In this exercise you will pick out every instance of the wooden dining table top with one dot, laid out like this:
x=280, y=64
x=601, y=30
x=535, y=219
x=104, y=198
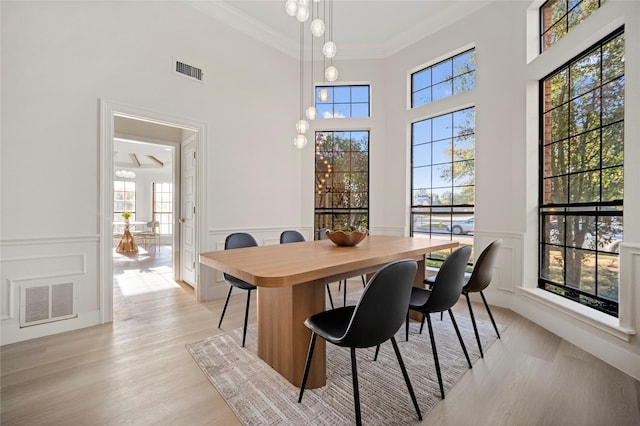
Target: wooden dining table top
x=282, y=265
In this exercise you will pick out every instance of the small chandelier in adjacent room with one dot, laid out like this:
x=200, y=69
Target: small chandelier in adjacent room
x=125, y=174
x=302, y=10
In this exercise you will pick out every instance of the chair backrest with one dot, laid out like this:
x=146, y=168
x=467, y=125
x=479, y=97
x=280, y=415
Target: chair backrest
x=238, y=240
x=483, y=269
x=383, y=306
x=291, y=237
x=154, y=225
x=449, y=281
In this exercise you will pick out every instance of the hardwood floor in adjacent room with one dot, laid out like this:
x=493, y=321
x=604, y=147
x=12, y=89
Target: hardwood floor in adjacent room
x=137, y=371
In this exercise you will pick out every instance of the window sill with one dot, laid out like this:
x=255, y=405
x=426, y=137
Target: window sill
x=582, y=313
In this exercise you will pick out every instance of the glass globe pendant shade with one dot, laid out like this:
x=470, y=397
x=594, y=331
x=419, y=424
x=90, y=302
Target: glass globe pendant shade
x=303, y=13
x=317, y=27
x=331, y=73
x=300, y=141
x=323, y=95
x=311, y=113
x=291, y=7
x=329, y=49
x=302, y=126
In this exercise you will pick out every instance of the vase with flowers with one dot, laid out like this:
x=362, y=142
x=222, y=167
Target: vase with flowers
x=126, y=216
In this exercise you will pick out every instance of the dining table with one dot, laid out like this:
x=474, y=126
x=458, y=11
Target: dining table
x=127, y=243
x=290, y=281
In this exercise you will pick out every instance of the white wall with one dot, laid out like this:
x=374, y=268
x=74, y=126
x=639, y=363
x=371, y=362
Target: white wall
x=58, y=59
x=506, y=101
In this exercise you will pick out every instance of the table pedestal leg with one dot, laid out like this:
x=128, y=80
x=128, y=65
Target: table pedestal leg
x=127, y=244
x=283, y=339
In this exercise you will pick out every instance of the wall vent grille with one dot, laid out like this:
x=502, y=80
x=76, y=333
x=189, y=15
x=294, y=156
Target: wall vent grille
x=189, y=70
x=46, y=303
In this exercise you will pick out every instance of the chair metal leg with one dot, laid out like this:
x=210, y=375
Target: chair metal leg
x=486, y=305
x=435, y=355
x=226, y=302
x=422, y=323
x=344, y=303
x=307, y=365
x=375, y=357
x=406, y=328
x=364, y=281
x=475, y=327
x=330, y=298
x=406, y=376
x=464, y=348
x=356, y=392
x=246, y=317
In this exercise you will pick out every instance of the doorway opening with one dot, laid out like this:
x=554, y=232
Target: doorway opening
x=144, y=172
x=143, y=191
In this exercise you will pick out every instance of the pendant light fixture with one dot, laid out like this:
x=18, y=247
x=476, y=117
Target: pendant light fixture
x=302, y=10
x=302, y=125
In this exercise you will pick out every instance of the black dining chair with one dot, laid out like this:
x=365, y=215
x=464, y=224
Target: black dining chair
x=291, y=236
x=234, y=241
x=374, y=320
x=441, y=297
x=322, y=235
x=477, y=281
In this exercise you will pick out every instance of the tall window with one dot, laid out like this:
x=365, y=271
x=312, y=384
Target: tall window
x=342, y=179
x=343, y=101
x=163, y=206
x=447, y=78
x=558, y=17
x=443, y=177
x=124, y=199
x=581, y=181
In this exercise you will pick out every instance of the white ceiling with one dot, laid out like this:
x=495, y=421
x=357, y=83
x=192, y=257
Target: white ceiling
x=362, y=29
x=142, y=145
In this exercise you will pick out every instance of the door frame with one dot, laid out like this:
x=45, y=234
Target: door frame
x=108, y=110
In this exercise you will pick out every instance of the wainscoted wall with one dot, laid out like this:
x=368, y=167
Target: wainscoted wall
x=47, y=286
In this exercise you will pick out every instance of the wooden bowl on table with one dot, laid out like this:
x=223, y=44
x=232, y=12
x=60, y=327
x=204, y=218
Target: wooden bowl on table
x=346, y=238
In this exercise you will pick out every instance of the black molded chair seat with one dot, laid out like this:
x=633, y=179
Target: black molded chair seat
x=441, y=297
x=234, y=241
x=374, y=320
x=333, y=326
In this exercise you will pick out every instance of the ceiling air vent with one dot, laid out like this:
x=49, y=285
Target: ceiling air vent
x=189, y=70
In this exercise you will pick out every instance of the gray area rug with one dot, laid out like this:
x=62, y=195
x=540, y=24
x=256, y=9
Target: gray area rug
x=258, y=395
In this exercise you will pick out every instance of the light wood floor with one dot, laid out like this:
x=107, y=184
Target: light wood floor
x=136, y=371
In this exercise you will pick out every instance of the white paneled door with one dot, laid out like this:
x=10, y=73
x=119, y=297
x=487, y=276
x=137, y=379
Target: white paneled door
x=188, y=258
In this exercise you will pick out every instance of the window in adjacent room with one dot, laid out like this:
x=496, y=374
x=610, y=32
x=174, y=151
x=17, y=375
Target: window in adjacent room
x=163, y=206
x=342, y=179
x=581, y=176
x=446, y=78
x=124, y=199
x=558, y=17
x=343, y=101
x=443, y=179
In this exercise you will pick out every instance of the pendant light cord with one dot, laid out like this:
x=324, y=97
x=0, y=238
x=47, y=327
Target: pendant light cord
x=301, y=65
